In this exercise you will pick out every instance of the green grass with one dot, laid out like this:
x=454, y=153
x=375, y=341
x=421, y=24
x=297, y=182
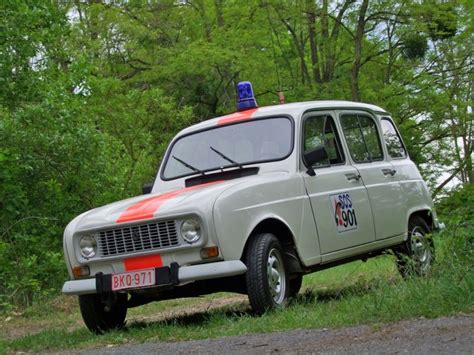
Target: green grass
x=355, y=293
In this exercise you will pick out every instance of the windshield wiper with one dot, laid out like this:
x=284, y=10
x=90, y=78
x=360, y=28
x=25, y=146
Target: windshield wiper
x=226, y=157
x=188, y=165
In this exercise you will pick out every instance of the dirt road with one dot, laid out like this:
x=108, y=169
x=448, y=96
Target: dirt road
x=421, y=336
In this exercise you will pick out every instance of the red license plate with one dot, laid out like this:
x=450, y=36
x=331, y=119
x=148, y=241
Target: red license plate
x=133, y=279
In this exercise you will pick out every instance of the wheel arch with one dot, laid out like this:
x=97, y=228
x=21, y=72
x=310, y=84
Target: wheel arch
x=426, y=214
x=283, y=233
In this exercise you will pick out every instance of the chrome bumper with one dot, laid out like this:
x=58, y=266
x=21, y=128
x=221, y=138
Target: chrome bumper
x=185, y=274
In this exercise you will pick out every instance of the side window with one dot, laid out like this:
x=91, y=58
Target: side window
x=392, y=140
x=362, y=138
x=321, y=131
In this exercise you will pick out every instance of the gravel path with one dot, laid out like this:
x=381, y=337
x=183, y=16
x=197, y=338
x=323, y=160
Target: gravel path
x=449, y=335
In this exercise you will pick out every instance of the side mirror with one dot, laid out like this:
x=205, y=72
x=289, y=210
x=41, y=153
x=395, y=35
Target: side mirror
x=146, y=189
x=314, y=156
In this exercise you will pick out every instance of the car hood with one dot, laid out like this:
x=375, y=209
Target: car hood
x=145, y=207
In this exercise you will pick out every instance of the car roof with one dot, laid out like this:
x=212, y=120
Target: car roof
x=294, y=109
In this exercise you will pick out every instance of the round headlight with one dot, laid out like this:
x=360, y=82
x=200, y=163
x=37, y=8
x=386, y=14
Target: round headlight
x=191, y=231
x=88, y=246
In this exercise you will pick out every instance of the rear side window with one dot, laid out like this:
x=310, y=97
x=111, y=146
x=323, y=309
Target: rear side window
x=392, y=140
x=321, y=131
x=362, y=138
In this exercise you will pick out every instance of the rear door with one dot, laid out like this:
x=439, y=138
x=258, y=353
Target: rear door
x=363, y=139
x=339, y=199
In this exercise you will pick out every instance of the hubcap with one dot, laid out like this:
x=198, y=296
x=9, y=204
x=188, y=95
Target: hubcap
x=421, y=248
x=276, y=276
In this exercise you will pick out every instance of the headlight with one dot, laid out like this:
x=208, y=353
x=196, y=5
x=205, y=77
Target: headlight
x=88, y=246
x=191, y=230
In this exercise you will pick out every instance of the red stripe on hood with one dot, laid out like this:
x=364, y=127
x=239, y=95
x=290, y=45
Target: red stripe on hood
x=146, y=208
x=237, y=116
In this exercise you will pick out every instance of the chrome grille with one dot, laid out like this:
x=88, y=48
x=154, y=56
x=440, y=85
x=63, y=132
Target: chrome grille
x=156, y=235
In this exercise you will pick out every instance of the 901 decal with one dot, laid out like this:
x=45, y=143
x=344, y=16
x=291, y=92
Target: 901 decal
x=344, y=212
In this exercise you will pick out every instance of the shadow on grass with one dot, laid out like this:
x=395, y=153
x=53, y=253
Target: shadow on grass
x=198, y=318
x=242, y=310
x=311, y=295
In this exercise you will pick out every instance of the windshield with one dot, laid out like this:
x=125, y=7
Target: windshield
x=246, y=142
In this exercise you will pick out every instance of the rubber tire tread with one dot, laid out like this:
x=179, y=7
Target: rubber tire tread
x=96, y=319
x=295, y=286
x=405, y=251
x=256, y=277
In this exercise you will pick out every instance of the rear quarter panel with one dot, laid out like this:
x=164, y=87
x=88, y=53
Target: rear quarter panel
x=414, y=188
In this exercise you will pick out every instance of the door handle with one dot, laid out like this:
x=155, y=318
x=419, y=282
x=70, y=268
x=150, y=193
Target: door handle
x=389, y=171
x=353, y=176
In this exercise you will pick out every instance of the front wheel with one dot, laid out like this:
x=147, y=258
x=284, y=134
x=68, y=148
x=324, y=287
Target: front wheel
x=266, y=277
x=100, y=317
x=416, y=255
x=295, y=285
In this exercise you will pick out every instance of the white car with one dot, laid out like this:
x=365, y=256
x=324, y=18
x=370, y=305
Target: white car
x=250, y=202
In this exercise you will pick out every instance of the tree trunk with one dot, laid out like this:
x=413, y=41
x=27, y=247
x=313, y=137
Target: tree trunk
x=325, y=42
x=358, y=51
x=219, y=14
x=331, y=42
x=300, y=50
x=311, y=17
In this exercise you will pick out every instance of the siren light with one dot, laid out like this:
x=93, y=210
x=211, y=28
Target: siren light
x=245, y=97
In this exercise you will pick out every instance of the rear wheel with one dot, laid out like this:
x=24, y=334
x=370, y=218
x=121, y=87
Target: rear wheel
x=266, y=277
x=416, y=254
x=100, y=316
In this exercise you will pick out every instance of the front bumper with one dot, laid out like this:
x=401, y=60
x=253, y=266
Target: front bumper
x=165, y=276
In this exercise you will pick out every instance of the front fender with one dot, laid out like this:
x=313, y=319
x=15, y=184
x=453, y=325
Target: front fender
x=282, y=196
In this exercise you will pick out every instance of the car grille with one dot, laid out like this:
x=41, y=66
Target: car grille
x=132, y=239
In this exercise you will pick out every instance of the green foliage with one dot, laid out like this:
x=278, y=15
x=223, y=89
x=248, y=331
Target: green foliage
x=441, y=20
x=414, y=46
x=458, y=238
x=69, y=141
x=91, y=93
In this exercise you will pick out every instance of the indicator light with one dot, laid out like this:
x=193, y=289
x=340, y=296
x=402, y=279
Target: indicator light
x=81, y=271
x=209, y=252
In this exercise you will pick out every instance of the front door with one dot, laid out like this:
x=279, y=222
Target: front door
x=339, y=199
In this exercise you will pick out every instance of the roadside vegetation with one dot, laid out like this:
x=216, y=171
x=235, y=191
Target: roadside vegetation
x=356, y=293
x=91, y=93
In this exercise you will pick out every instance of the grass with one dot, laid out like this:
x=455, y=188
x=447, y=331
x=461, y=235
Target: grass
x=370, y=293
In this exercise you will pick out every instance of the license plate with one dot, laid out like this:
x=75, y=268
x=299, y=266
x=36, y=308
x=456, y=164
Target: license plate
x=133, y=279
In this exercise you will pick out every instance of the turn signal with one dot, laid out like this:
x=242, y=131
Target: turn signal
x=81, y=271
x=210, y=252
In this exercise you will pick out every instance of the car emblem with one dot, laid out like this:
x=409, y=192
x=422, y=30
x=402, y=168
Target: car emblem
x=136, y=236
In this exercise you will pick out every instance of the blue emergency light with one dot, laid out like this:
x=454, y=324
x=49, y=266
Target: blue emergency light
x=245, y=98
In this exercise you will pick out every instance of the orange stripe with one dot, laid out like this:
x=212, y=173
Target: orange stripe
x=146, y=208
x=237, y=116
x=143, y=262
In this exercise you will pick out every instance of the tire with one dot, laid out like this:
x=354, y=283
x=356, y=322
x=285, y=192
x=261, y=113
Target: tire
x=267, y=277
x=416, y=255
x=295, y=285
x=97, y=319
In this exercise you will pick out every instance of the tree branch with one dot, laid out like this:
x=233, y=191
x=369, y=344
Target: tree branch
x=452, y=176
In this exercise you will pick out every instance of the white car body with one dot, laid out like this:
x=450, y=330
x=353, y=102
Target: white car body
x=281, y=198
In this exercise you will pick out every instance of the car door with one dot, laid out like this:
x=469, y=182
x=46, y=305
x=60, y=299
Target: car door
x=339, y=199
x=363, y=139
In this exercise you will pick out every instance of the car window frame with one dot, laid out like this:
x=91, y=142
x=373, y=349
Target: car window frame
x=389, y=119
x=176, y=139
x=307, y=115
x=377, y=127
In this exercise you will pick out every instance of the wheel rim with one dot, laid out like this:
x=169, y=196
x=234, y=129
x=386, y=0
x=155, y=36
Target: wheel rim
x=421, y=248
x=276, y=276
